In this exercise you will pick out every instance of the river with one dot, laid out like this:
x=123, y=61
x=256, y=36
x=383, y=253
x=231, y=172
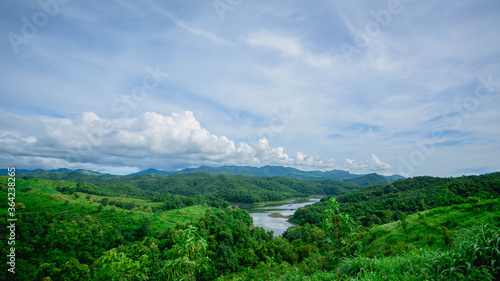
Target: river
x=260, y=215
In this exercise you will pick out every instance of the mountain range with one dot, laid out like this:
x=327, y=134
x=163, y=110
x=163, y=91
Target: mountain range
x=265, y=171
x=270, y=171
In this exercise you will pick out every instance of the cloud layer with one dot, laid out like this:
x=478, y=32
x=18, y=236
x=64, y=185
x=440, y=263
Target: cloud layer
x=329, y=79
x=149, y=140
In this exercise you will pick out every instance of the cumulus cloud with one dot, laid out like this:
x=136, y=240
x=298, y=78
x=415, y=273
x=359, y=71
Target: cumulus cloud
x=148, y=140
x=375, y=165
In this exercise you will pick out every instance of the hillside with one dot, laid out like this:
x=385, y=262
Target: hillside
x=232, y=188
x=370, y=179
x=388, y=202
x=458, y=242
x=280, y=171
x=152, y=171
x=154, y=227
x=270, y=171
x=265, y=171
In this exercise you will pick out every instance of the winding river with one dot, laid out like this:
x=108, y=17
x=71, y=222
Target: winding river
x=260, y=215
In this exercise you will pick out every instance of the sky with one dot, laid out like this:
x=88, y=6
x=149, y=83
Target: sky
x=392, y=87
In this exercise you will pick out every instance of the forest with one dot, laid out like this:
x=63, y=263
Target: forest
x=232, y=188
x=85, y=226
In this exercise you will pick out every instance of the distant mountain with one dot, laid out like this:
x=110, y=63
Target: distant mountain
x=18, y=171
x=270, y=171
x=39, y=171
x=396, y=177
x=265, y=171
x=371, y=179
x=152, y=171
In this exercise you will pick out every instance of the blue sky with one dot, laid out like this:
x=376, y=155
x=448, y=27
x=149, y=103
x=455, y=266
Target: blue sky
x=405, y=87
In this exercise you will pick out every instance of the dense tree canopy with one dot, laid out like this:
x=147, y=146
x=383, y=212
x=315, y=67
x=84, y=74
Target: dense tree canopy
x=109, y=231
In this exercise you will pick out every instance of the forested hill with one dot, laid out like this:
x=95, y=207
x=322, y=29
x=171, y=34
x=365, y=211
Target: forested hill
x=384, y=203
x=232, y=188
x=266, y=171
x=270, y=171
x=280, y=171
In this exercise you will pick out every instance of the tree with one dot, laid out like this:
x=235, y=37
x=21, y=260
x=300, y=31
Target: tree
x=104, y=201
x=188, y=257
x=114, y=265
x=375, y=220
x=387, y=216
x=224, y=259
x=146, y=227
x=74, y=270
x=338, y=228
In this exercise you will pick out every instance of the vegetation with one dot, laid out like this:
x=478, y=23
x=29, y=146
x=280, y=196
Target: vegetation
x=178, y=228
x=202, y=186
x=386, y=203
x=280, y=171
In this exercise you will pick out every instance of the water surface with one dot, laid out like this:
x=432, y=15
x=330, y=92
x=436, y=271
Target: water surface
x=260, y=215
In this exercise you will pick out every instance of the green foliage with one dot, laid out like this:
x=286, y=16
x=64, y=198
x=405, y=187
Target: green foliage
x=213, y=189
x=404, y=221
x=104, y=201
x=115, y=265
x=338, y=228
x=407, y=196
x=475, y=256
x=62, y=237
x=187, y=257
x=433, y=229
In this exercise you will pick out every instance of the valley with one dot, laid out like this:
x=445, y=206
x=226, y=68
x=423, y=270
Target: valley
x=83, y=226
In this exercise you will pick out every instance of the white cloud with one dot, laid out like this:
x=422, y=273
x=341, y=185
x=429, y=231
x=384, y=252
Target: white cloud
x=164, y=141
x=235, y=74
x=290, y=47
x=195, y=31
x=374, y=166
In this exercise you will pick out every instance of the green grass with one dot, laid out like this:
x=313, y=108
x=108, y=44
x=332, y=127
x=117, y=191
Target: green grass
x=182, y=215
x=474, y=256
x=94, y=200
x=471, y=251
x=433, y=229
x=42, y=193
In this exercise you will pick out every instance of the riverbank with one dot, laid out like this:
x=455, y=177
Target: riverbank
x=279, y=217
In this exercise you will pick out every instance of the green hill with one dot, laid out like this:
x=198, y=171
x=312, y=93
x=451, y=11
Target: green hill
x=370, y=179
x=388, y=202
x=153, y=227
x=280, y=171
x=233, y=188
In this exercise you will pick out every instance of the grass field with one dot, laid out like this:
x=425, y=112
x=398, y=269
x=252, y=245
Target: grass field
x=42, y=192
x=430, y=229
